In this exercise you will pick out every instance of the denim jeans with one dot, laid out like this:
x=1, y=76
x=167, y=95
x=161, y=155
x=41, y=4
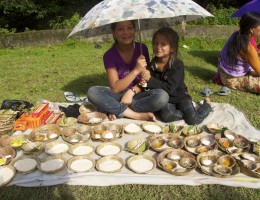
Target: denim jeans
x=108, y=102
x=184, y=110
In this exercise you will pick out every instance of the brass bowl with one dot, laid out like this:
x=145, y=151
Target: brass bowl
x=108, y=136
x=208, y=160
x=226, y=160
x=22, y=165
x=34, y=148
x=230, y=135
x=73, y=139
x=175, y=155
x=216, y=128
x=81, y=149
x=157, y=143
x=207, y=141
x=92, y=118
x=250, y=156
x=80, y=164
x=193, y=142
x=141, y=164
x=241, y=143
x=188, y=162
x=115, y=161
x=251, y=165
x=83, y=129
x=137, y=146
x=98, y=130
x=168, y=164
x=152, y=127
x=51, y=164
x=225, y=143
x=11, y=173
x=8, y=153
x=222, y=170
x=191, y=130
x=203, y=149
x=68, y=131
x=108, y=149
x=176, y=142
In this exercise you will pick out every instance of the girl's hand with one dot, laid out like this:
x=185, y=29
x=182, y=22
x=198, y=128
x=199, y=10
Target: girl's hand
x=127, y=98
x=140, y=64
x=145, y=75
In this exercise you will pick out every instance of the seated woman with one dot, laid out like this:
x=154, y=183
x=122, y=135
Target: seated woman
x=124, y=63
x=166, y=72
x=239, y=65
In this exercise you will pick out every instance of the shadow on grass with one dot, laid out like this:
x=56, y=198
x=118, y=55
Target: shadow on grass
x=83, y=83
x=211, y=58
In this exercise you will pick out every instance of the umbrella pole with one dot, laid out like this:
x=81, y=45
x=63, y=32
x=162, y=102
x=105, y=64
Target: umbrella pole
x=140, y=36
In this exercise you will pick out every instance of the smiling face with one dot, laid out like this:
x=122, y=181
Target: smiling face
x=161, y=47
x=124, y=32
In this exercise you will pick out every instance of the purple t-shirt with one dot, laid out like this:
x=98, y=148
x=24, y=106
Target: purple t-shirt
x=240, y=69
x=113, y=59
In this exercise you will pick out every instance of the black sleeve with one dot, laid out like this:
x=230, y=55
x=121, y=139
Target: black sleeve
x=175, y=79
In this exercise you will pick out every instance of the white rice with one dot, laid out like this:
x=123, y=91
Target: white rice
x=25, y=165
x=81, y=165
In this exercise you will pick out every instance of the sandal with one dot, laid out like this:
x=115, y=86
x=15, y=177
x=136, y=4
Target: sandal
x=224, y=91
x=71, y=97
x=206, y=92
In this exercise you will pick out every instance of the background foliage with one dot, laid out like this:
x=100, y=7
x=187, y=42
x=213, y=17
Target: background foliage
x=21, y=15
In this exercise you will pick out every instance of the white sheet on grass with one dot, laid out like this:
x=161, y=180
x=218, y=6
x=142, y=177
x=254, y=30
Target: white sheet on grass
x=222, y=113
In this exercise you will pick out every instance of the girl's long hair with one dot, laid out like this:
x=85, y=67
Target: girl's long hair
x=172, y=38
x=240, y=40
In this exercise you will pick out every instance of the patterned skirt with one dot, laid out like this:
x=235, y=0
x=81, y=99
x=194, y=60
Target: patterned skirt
x=244, y=83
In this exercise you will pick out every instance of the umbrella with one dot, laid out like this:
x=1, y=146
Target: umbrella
x=252, y=6
x=149, y=13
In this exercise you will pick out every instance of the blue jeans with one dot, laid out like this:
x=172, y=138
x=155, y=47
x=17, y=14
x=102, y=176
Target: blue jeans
x=184, y=110
x=108, y=102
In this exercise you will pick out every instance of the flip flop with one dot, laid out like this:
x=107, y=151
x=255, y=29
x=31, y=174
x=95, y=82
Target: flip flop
x=71, y=97
x=206, y=92
x=224, y=91
x=84, y=99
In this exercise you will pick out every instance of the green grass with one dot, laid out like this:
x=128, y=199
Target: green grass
x=46, y=72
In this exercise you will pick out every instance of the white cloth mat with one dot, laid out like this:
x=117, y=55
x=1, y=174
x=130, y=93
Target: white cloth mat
x=224, y=114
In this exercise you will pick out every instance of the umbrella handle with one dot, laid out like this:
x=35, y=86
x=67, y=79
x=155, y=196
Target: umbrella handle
x=140, y=36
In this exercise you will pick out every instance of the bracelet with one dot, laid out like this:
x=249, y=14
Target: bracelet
x=133, y=89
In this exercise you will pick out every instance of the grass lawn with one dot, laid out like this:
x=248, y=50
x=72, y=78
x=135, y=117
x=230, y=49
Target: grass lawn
x=46, y=72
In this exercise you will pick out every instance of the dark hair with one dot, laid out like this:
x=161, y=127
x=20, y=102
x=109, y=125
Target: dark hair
x=239, y=41
x=113, y=25
x=172, y=37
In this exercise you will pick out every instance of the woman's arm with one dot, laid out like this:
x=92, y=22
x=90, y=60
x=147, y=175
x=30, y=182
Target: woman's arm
x=253, y=60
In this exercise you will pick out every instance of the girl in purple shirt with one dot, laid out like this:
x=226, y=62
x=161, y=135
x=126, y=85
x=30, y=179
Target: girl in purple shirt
x=124, y=63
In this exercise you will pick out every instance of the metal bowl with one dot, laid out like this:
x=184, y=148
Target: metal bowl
x=56, y=148
x=7, y=153
x=98, y=130
x=51, y=164
x=226, y=160
x=152, y=127
x=168, y=164
x=108, y=149
x=250, y=156
x=81, y=164
x=207, y=141
x=132, y=129
x=241, y=142
x=68, y=131
x=208, y=160
x=192, y=130
x=225, y=143
x=115, y=127
x=34, y=148
x=230, y=135
x=108, y=136
x=73, y=139
x=25, y=164
x=222, y=170
x=81, y=149
x=215, y=128
x=92, y=118
x=175, y=155
x=141, y=164
x=203, y=149
x=110, y=164
x=193, y=142
x=251, y=165
x=176, y=142
x=187, y=162
x=157, y=143
x=83, y=129
x=9, y=172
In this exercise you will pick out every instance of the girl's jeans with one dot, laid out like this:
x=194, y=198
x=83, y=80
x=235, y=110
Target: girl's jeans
x=108, y=102
x=184, y=110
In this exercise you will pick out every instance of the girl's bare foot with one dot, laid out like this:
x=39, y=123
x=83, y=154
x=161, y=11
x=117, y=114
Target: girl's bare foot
x=111, y=117
x=207, y=100
x=141, y=116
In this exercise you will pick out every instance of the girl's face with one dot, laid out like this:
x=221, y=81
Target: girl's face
x=255, y=31
x=124, y=32
x=161, y=47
